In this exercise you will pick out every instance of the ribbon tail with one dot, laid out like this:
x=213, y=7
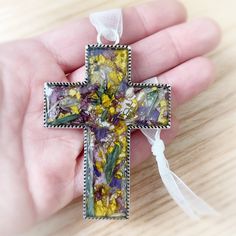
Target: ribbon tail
x=187, y=200
x=200, y=207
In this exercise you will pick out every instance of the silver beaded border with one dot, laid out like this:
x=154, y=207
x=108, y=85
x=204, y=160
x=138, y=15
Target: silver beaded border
x=138, y=85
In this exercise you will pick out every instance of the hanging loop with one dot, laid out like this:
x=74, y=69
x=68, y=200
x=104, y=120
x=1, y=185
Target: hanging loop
x=114, y=32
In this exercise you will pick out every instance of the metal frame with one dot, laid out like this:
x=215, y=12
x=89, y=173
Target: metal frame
x=130, y=83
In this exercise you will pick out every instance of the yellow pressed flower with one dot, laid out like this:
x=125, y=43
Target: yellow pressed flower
x=109, y=84
x=110, y=149
x=78, y=96
x=113, y=75
x=106, y=188
x=134, y=103
x=99, y=166
x=93, y=59
x=118, y=161
x=100, y=209
x=100, y=153
x=61, y=115
x=106, y=101
x=120, y=131
x=121, y=128
x=119, y=174
x=103, y=192
x=72, y=92
x=98, y=109
x=154, y=89
x=123, y=140
x=120, y=76
x=162, y=119
x=121, y=60
x=112, y=206
x=74, y=109
x=112, y=110
x=94, y=96
x=119, y=106
x=101, y=59
x=123, y=154
x=109, y=63
x=117, y=143
x=163, y=103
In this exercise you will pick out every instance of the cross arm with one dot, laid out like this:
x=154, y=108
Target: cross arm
x=63, y=106
x=153, y=106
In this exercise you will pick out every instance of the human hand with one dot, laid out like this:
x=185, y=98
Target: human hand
x=41, y=169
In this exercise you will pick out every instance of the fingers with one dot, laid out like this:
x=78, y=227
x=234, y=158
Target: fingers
x=170, y=47
x=67, y=44
x=166, y=49
x=188, y=79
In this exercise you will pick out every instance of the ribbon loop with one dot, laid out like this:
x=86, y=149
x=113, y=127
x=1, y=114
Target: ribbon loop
x=109, y=24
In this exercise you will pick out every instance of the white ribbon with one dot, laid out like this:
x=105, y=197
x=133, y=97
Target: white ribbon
x=109, y=24
x=190, y=203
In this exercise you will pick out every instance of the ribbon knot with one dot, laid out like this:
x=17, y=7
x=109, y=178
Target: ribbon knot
x=158, y=147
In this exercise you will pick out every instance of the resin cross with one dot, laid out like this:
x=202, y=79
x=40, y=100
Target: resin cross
x=108, y=105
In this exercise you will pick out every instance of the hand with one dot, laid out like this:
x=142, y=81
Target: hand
x=41, y=169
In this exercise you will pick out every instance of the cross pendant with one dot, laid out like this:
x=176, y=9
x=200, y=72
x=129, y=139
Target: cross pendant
x=108, y=105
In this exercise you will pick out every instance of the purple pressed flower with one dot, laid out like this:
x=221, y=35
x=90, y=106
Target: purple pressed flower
x=154, y=115
x=100, y=133
x=115, y=119
x=142, y=110
x=98, y=195
x=120, y=203
x=52, y=114
x=167, y=96
x=98, y=180
x=97, y=173
x=84, y=103
x=116, y=183
x=165, y=114
x=123, y=87
x=109, y=54
x=119, y=166
x=95, y=52
x=54, y=97
x=84, y=116
x=93, y=87
x=84, y=90
x=141, y=123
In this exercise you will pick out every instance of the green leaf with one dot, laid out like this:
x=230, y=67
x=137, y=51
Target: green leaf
x=64, y=120
x=111, y=163
x=90, y=195
x=104, y=115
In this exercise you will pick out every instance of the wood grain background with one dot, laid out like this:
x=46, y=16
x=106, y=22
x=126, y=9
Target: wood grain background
x=203, y=155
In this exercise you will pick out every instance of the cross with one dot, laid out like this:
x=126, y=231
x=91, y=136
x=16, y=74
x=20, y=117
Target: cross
x=107, y=105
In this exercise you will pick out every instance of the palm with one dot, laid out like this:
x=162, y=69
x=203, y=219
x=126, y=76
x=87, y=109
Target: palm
x=41, y=169
x=43, y=161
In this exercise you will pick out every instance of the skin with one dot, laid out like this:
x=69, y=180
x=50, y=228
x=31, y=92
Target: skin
x=41, y=169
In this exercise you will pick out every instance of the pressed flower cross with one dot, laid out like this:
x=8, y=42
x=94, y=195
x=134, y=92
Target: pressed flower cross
x=107, y=106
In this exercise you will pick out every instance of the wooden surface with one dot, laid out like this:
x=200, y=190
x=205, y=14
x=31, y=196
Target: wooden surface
x=203, y=155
